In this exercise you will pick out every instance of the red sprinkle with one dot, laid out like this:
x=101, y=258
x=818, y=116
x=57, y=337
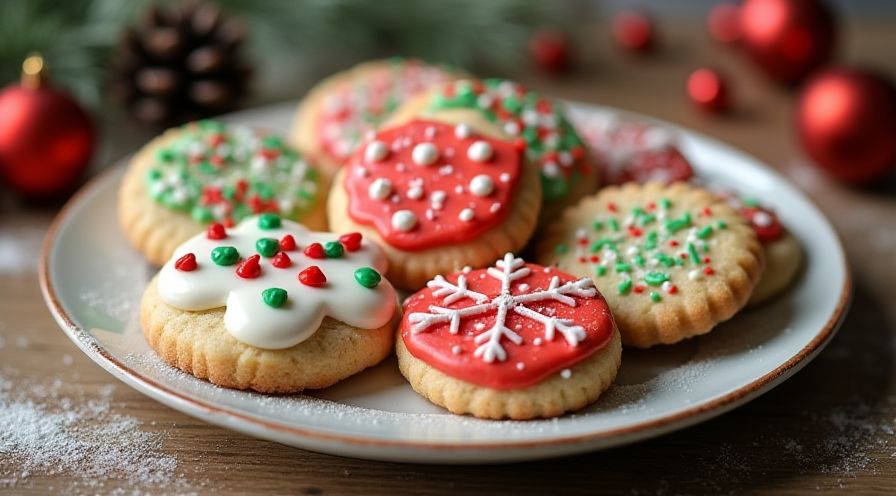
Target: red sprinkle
x=672, y=289
x=708, y=271
x=315, y=250
x=707, y=212
x=634, y=231
x=216, y=231
x=683, y=255
x=351, y=241
x=228, y=222
x=611, y=207
x=249, y=268
x=706, y=260
x=639, y=289
x=288, y=243
x=582, y=259
x=281, y=260
x=186, y=263
x=651, y=206
x=595, y=259
x=312, y=276
x=583, y=241
x=673, y=243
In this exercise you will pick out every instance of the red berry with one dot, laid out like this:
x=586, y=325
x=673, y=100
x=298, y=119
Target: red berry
x=186, y=263
x=249, y=268
x=315, y=250
x=216, y=231
x=351, y=241
x=281, y=260
x=633, y=31
x=708, y=90
x=312, y=276
x=288, y=243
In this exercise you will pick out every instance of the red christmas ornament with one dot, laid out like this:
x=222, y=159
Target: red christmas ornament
x=312, y=276
x=708, y=90
x=351, y=241
x=787, y=38
x=724, y=23
x=249, y=268
x=634, y=31
x=552, y=51
x=216, y=231
x=46, y=139
x=186, y=263
x=315, y=250
x=846, y=120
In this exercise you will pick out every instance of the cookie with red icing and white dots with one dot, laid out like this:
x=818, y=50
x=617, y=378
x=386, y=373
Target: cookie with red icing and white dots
x=632, y=150
x=262, y=306
x=515, y=340
x=567, y=170
x=338, y=113
x=206, y=172
x=673, y=261
x=438, y=195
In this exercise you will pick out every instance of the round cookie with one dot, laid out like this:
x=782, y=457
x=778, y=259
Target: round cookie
x=337, y=114
x=437, y=195
x=206, y=172
x=261, y=306
x=567, y=171
x=673, y=261
x=516, y=341
x=631, y=150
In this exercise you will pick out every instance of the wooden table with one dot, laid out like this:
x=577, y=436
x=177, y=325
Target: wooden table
x=829, y=427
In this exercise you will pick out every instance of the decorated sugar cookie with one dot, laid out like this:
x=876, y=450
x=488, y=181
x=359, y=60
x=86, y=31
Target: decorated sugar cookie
x=672, y=261
x=271, y=306
x=207, y=172
x=339, y=112
x=567, y=172
x=437, y=195
x=515, y=340
x=631, y=150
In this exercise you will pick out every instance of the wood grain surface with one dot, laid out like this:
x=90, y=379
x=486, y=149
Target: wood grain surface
x=830, y=427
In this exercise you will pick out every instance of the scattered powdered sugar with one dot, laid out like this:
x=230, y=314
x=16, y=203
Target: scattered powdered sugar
x=19, y=247
x=50, y=430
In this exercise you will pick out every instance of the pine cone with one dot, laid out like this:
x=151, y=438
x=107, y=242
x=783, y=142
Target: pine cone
x=180, y=63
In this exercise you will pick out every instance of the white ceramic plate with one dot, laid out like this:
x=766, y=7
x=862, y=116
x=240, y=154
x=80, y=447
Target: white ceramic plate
x=92, y=282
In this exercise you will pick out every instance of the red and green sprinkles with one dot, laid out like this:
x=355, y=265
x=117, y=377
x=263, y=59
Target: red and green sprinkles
x=368, y=277
x=641, y=247
x=551, y=141
x=222, y=174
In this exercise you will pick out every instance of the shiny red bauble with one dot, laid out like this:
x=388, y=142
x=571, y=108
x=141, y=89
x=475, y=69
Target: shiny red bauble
x=46, y=139
x=787, y=39
x=634, y=31
x=724, y=23
x=846, y=120
x=551, y=51
x=708, y=90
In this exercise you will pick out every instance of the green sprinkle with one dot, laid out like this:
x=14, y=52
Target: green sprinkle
x=750, y=202
x=600, y=243
x=675, y=225
x=272, y=141
x=614, y=224
x=561, y=249
x=153, y=174
x=704, y=232
x=268, y=247
x=655, y=296
x=274, y=297
x=665, y=203
x=638, y=211
x=624, y=286
x=721, y=224
x=601, y=270
x=333, y=249
x=639, y=260
x=367, y=277
x=664, y=259
x=202, y=215
x=650, y=242
x=597, y=225
x=165, y=155
x=646, y=219
x=268, y=221
x=225, y=255
x=655, y=278
x=692, y=251
x=623, y=267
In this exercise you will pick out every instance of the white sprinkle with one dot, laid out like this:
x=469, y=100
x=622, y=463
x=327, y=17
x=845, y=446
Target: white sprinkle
x=537, y=341
x=362, y=172
x=438, y=198
x=430, y=214
x=523, y=287
x=504, y=177
x=566, y=373
x=376, y=151
x=462, y=131
x=479, y=326
x=400, y=167
x=430, y=132
x=466, y=269
x=404, y=220
x=425, y=154
x=482, y=185
x=694, y=274
x=480, y=151
x=446, y=170
x=459, y=189
x=484, y=101
x=415, y=192
x=466, y=215
x=581, y=233
x=762, y=219
x=550, y=169
x=456, y=349
x=495, y=207
x=666, y=285
x=520, y=365
x=512, y=128
x=380, y=188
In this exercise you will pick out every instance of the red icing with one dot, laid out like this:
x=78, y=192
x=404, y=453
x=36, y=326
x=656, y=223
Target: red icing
x=312, y=276
x=287, y=243
x=186, y=263
x=765, y=231
x=435, y=345
x=445, y=226
x=249, y=268
x=216, y=231
x=351, y=241
x=315, y=250
x=281, y=261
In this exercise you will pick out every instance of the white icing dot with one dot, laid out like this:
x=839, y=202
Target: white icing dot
x=537, y=341
x=362, y=172
x=404, y=220
x=462, y=131
x=466, y=269
x=380, y=188
x=480, y=151
x=520, y=365
x=430, y=214
x=459, y=189
x=495, y=207
x=425, y=154
x=504, y=177
x=446, y=170
x=376, y=151
x=566, y=373
x=694, y=274
x=550, y=169
x=479, y=326
x=438, y=198
x=482, y=185
x=666, y=285
x=485, y=100
x=400, y=167
x=512, y=128
x=581, y=233
x=430, y=132
x=762, y=219
x=523, y=287
x=466, y=215
x=456, y=349
x=415, y=192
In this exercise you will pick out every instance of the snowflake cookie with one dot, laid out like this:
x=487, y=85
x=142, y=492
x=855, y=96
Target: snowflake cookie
x=672, y=261
x=513, y=330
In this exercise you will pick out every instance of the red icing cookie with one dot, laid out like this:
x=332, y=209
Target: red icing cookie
x=551, y=321
x=765, y=222
x=424, y=184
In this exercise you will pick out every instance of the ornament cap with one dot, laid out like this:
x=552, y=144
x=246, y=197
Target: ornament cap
x=33, y=74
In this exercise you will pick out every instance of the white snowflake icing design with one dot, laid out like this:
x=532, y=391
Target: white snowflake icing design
x=506, y=270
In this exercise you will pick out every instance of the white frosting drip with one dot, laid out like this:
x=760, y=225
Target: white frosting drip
x=247, y=317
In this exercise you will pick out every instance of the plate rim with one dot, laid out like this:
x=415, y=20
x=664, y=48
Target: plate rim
x=94, y=349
